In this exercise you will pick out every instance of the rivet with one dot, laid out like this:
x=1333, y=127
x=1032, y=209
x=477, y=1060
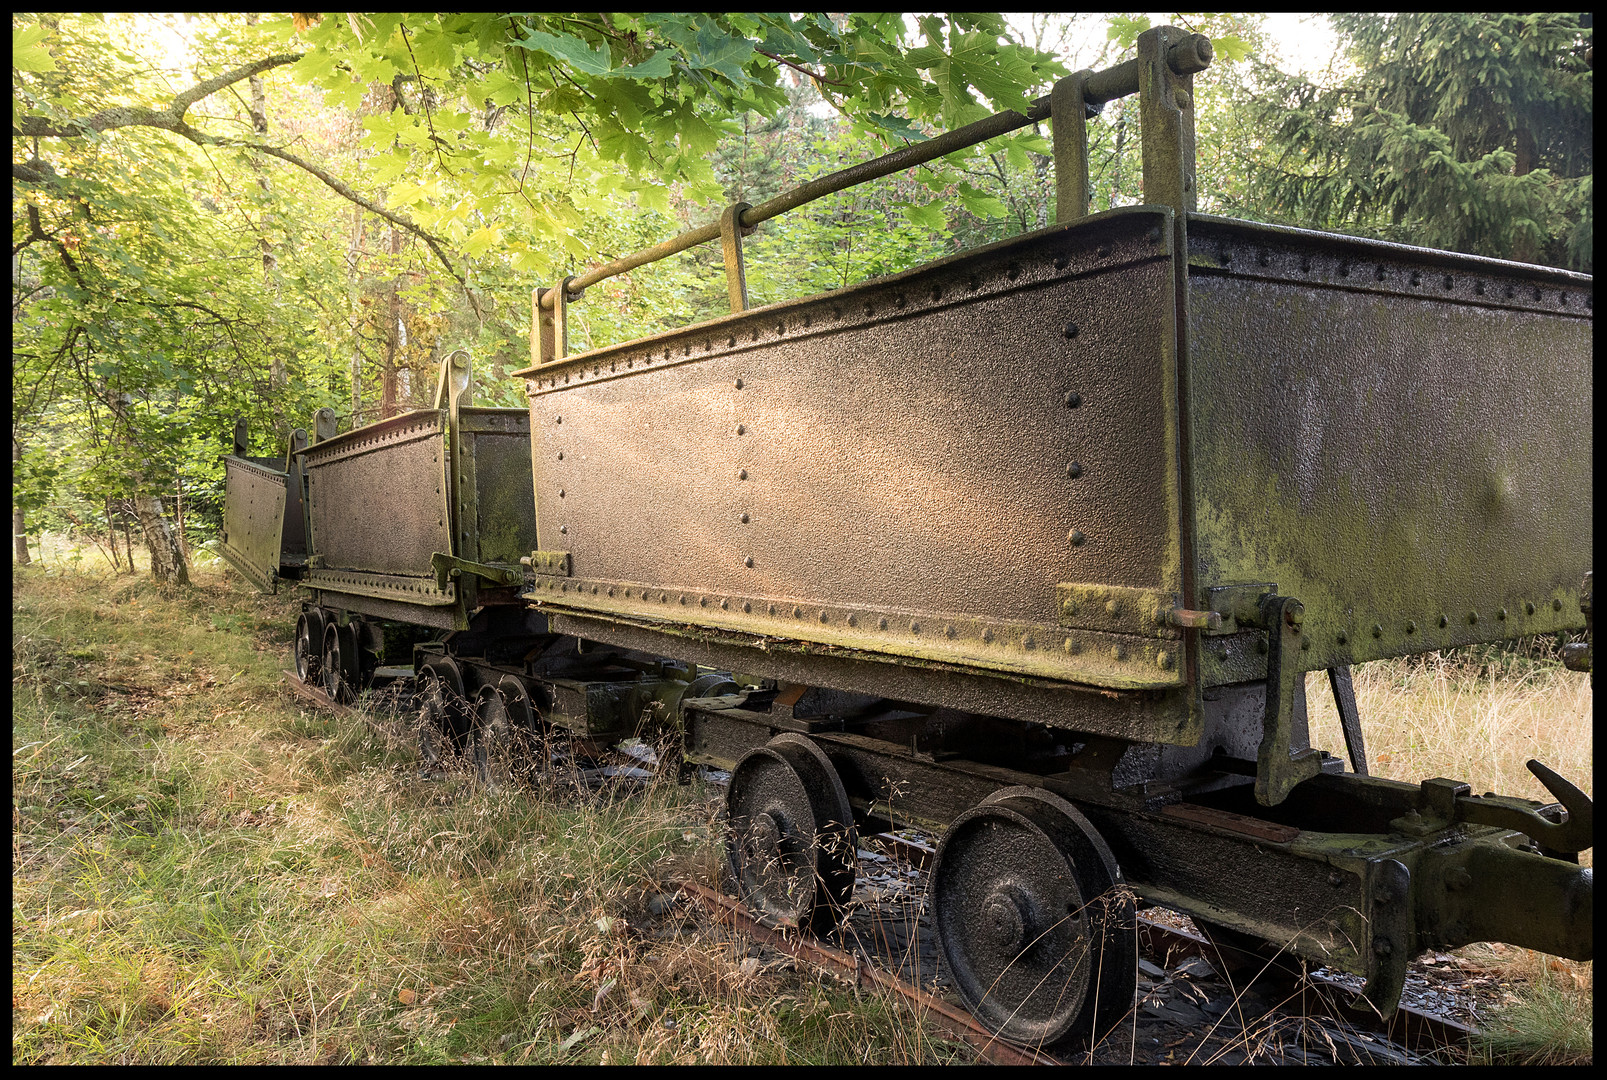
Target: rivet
x=1534, y=294
x=1076, y=538
x=725, y=604
x=1502, y=615
x=610, y=590
x=1344, y=268
x=853, y=620
x=1478, y=287
x=1473, y=617
x=566, y=586
x=1013, y=271
x=1028, y=643
x=744, y=519
x=973, y=283
x=1417, y=278
x=738, y=382
x=1118, y=653
x=1305, y=643
x=1103, y=251
x=742, y=429
x=594, y=590
x=823, y=617
x=1305, y=264
x=560, y=455
x=870, y=309
x=948, y=631
x=742, y=474
x=703, y=601
x=748, y=562
x=1378, y=630
x=1073, y=399
x=1382, y=272
x=560, y=493
x=797, y=612
x=771, y=610
x=1449, y=281
x=1528, y=608
x=558, y=419
x=1112, y=607
x=1072, y=330
x=1343, y=637
x=881, y=623
x=937, y=292
x=1070, y=645
x=683, y=598
x=563, y=528
x=1074, y=470
x=1411, y=626
x=1261, y=645
x=987, y=633
x=1511, y=292
x=915, y=627
x=1556, y=605
x=1060, y=262
x=1264, y=259
x=746, y=607
x=1163, y=658
x=730, y=341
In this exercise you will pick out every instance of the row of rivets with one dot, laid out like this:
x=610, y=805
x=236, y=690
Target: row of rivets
x=1377, y=629
x=898, y=302
x=1028, y=643
x=1382, y=273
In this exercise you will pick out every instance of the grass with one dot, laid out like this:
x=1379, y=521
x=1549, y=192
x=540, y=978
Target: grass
x=204, y=871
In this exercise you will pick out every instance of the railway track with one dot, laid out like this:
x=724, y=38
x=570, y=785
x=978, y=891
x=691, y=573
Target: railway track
x=1191, y=1006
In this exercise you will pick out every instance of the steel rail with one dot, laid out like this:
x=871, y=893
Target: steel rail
x=951, y=1019
x=1193, y=54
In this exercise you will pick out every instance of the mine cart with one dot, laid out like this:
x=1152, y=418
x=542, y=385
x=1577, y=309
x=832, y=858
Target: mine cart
x=1036, y=544
x=419, y=519
x=264, y=524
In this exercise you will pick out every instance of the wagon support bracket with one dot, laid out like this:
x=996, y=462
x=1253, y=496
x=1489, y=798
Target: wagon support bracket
x=450, y=566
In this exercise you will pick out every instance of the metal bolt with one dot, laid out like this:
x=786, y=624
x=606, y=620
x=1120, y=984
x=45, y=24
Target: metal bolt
x=881, y=623
x=1378, y=630
x=1118, y=653
x=1294, y=614
x=1335, y=879
x=853, y=620
x=822, y=616
x=1343, y=637
x=1103, y=250
x=1072, y=330
x=1261, y=645
x=915, y=628
x=1417, y=278
x=1411, y=626
x=1074, y=470
x=1184, y=101
x=1028, y=643
x=1445, y=620
x=748, y=561
x=1263, y=258
x=1502, y=615
x=1164, y=660
x=797, y=612
x=1073, y=399
x=948, y=631
x=1076, y=538
x=563, y=528
x=560, y=455
x=987, y=634
x=1556, y=605
x=741, y=429
x=1112, y=607
x=1473, y=617
x=560, y=493
x=558, y=419
x=739, y=382
x=1528, y=608
x=744, y=519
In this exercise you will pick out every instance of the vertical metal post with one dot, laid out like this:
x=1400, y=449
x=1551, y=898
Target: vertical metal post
x=731, y=233
x=457, y=377
x=1068, y=114
x=242, y=442
x=1166, y=119
x=324, y=425
x=549, y=330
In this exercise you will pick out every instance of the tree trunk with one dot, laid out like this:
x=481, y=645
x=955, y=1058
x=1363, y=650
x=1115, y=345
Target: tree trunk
x=111, y=537
x=19, y=525
x=168, y=566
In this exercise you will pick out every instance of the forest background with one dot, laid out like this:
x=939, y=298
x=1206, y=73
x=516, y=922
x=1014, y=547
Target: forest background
x=227, y=216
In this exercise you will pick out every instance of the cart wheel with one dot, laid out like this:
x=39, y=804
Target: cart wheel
x=443, y=717
x=1036, y=926
x=505, y=738
x=338, y=668
x=793, y=847
x=309, y=645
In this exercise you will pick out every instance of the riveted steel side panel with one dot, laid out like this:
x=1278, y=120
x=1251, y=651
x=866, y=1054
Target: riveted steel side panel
x=505, y=503
x=253, y=519
x=379, y=505
x=906, y=468
x=1399, y=437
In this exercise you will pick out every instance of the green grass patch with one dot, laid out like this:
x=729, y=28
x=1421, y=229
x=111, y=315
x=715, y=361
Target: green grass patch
x=205, y=871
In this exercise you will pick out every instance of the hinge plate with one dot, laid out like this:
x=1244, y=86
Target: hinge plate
x=551, y=563
x=1116, y=609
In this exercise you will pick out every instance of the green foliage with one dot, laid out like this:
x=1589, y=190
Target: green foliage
x=1466, y=131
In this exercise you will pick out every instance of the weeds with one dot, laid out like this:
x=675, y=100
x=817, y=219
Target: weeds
x=204, y=872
